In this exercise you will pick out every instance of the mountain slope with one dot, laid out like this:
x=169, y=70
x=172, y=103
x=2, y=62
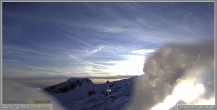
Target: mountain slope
x=82, y=94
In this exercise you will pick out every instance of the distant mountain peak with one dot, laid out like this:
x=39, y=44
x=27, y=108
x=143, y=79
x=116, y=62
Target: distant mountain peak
x=68, y=85
x=79, y=80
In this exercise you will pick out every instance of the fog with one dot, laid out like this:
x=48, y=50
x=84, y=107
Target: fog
x=176, y=74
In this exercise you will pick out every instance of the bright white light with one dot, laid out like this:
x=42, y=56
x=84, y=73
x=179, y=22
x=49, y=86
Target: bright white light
x=185, y=90
x=169, y=102
x=142, y=51
x=132, y=66
x=188, y=91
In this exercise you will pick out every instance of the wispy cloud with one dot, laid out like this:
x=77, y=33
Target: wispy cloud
x=96, y=38
x=110, y=29
x=96, y=50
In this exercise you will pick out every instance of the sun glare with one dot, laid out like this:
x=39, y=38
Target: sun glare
x=187, y=91
x=132, y=66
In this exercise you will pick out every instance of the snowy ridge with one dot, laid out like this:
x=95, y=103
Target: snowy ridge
x=70, y=84
x=82, y=94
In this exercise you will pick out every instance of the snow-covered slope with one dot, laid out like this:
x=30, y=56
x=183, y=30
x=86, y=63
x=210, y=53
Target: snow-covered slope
x=82, y=94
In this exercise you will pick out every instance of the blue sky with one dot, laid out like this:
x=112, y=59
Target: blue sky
x=96, y=39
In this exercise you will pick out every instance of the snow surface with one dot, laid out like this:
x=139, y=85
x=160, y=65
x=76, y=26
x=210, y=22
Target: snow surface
x=82, y=94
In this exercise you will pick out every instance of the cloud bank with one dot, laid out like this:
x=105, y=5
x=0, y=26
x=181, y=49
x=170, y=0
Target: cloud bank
x=176, y=73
